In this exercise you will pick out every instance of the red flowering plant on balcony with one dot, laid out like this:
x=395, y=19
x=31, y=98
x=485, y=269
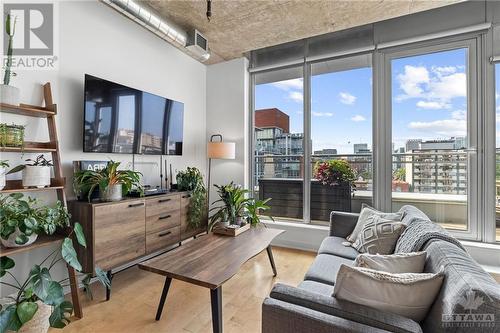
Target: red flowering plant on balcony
x=334, y=172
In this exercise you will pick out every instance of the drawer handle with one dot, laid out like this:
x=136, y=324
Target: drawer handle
x=187, y=196
x=136, y=205
x=163, y=234
x=164, y=200
x=164, y=217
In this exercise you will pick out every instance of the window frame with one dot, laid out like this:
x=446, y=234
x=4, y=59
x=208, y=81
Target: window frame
x=481, y=130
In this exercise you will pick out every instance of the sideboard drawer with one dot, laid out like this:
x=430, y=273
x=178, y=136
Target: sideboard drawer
x=163, y=221
x=162, y=204
x=119, y=233
x=161, y=239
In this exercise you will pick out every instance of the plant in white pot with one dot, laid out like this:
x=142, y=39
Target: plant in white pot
x=113, y=184
x=9, y=94
x=36, y=174
x=22, y=219
x=3, y=170
x=39, y=301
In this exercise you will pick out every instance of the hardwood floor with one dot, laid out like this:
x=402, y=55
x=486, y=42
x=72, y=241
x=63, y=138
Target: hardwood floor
x=136, y=293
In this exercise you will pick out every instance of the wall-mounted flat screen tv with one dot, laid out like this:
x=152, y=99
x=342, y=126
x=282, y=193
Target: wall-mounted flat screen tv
x=120, y=119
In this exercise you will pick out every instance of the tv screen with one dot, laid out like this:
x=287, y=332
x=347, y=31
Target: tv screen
x=120, y=119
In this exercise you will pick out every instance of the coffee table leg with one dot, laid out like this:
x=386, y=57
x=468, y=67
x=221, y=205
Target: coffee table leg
x=164, y=293
x=271, y=259
x=216, y=299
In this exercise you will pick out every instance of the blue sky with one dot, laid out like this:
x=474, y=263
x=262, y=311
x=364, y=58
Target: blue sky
x=429, y=102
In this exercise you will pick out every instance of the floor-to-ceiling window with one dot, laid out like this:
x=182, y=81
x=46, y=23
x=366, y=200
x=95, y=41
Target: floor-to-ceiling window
x=279, y=141
x=341, y=129
x=431, y=162
x=497, y=155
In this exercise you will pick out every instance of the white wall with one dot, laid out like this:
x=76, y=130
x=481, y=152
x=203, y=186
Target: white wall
x=95, y=39
x=227, y=114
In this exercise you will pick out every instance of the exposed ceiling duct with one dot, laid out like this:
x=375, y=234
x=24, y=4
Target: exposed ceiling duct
x=168, y=31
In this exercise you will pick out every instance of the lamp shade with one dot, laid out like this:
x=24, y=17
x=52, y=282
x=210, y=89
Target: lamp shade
x=221, y=150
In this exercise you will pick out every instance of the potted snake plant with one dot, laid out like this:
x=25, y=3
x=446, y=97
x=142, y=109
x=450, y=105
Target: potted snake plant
x=9, y=94
x=113, y=184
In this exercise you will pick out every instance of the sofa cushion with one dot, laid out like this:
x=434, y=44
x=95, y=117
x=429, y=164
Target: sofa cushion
x=325, y=267
x=407, y=294
x=364, y=217
x=410, y=213
x=379, y=235
x=333, y=245
x=464, y=280
x=412, y=262
x=316, y=287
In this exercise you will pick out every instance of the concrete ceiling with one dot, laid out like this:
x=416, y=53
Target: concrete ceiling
x=238, y=26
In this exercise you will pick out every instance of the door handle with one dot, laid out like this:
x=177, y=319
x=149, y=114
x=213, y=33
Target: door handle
x=163, y=234
x=186, y=196
x=136, y=205
x=164, y=217
x=164, y=200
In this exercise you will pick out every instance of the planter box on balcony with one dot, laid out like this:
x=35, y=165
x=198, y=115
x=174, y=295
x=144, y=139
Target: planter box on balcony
x=287, y=196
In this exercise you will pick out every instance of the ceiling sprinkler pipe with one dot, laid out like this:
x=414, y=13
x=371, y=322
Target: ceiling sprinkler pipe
x=150, y=20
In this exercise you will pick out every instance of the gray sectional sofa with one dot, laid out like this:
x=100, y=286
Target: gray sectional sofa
x=310, y=308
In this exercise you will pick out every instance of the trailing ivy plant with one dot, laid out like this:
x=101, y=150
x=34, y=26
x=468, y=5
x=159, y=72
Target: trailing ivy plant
x=40, y=286
x=18, y=212
x=191, y=180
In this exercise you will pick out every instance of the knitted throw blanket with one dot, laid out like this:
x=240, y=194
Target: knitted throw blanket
x=419, y=232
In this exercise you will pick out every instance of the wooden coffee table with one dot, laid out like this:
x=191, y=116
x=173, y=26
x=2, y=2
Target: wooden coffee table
x=209, y=261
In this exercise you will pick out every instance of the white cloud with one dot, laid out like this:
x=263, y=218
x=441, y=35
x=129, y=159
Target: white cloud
x=433, y=105
x=444, y=70
x=412, y=79
x=439, y=85
x=448, y=87
x=456, y=126
x=293, y=84
x=296, y=96
x=322, y=114
x=358, y=118
x=347, y=98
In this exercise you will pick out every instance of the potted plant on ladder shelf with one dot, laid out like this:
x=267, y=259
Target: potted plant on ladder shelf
x=9, y=94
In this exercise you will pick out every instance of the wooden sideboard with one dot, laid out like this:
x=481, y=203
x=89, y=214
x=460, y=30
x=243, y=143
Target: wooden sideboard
x=120, y=232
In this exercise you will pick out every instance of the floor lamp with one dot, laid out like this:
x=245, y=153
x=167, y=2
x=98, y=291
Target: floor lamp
x=220, y=150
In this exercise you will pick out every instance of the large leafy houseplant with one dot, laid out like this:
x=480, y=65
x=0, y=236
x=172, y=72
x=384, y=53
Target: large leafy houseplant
x=23, y=217
x=106, y=179
x=235, y=207
x=39, y=288
x=334, y=172
x=191, y=180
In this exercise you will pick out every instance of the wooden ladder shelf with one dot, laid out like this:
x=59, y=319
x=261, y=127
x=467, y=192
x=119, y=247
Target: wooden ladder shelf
x=57, y=183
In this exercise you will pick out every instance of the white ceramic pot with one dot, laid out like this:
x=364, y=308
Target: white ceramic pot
x=2, y=178
x=112, y=193
x=9, y=94
x=36, y=176
x=40, y=321
x=11, y=241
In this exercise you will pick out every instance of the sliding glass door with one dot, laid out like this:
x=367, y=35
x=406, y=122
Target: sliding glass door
x=341, y=129
x=434, y=160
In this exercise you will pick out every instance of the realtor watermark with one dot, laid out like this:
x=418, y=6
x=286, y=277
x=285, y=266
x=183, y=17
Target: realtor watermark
x=35, y=40
x=473, y=315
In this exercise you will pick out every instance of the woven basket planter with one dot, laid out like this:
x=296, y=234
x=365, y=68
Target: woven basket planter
x=11, y=135
x=40, y=321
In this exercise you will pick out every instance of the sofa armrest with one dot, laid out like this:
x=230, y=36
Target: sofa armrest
x=283, y=317
x=342, y=223
x=343, y=309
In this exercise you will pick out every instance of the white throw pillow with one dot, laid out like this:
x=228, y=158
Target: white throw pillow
x=407, y=294
x=365, y=214
x=412, y=262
